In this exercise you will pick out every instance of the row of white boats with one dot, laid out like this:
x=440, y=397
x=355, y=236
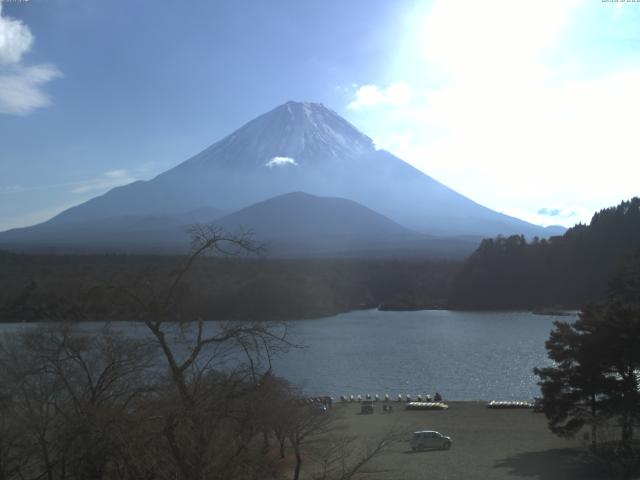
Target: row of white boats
x=426, y=406
x=509, y=404
x=417, y=402
x=386, y=398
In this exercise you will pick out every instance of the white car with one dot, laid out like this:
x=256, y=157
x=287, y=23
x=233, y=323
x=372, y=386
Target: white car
x=425, y=439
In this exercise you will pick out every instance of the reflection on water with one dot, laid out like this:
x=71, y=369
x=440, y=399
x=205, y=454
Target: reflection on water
x=463, y=355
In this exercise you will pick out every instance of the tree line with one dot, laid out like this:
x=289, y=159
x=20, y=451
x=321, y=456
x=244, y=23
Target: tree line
x=216, y=288
x=566, y=271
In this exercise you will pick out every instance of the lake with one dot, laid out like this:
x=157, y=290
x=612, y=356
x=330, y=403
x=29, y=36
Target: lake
x=463, y=355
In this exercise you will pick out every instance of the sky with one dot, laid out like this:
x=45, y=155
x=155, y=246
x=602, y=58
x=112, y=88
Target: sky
x=527, y=107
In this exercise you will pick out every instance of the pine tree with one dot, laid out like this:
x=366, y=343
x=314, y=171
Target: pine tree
x=572, y=388
x=597, y=363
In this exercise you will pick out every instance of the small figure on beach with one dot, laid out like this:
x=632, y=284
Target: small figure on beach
x=437, y=397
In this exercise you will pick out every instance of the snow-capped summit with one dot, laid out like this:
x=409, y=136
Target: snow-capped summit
x=301, y=132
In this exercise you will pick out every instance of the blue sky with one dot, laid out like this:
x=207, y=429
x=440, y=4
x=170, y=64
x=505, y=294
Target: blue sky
x=529, y=108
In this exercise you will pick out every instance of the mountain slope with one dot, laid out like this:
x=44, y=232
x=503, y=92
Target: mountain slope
x=127, y=232
x=295, y=225
x=300, y=215
x=301, y=147
x=299, y=225
x=236, y=171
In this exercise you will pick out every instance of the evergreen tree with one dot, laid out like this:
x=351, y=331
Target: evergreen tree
x=565, y=271
x=596, y=375
x=572, y=389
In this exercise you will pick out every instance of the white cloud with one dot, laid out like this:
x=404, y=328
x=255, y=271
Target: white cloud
x=281, y=161
x=15, y=39
x=557, y=212
x=121, y=173
x=110, y=179
x=20, y=85
x=567, y=216
x=21, y=88
x=371, y=95
x=492, y=117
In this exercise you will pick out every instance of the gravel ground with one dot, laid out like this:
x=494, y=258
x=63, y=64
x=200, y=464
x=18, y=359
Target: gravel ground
x=487, y=444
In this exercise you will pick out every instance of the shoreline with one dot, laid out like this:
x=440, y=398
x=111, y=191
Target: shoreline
x=320, y=316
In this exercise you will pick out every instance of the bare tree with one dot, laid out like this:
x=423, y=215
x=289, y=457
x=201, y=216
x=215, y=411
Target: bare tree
x=212, y=368
x=343, y=457
x=69, y=392
x=332, y=454
x=14, y=454
x=304, y=426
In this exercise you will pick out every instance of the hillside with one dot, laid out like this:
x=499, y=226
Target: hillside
x=299, y=225
x=564, y=271
x=125, y=233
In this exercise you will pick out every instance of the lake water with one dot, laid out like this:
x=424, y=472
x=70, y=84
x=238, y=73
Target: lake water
x=463, y=355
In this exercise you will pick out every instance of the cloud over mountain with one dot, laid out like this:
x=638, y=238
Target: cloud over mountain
x=280, y=161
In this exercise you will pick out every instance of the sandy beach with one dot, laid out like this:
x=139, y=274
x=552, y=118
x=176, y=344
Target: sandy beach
x=487, y=444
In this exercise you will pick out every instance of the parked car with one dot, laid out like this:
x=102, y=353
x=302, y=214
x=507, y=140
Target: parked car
x=366, y=407
x=425, y=439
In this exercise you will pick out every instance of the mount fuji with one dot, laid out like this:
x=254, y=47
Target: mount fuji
x=296, y=147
